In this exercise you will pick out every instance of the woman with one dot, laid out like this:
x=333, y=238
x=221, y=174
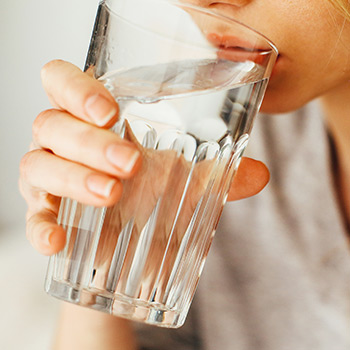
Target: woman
x=293, y=294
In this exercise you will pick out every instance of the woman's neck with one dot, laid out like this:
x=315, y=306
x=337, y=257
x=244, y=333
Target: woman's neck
x=337, y=110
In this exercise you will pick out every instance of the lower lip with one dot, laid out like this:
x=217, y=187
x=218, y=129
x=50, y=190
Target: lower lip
x=229, y=41
x=236, y=49
x=235, y=54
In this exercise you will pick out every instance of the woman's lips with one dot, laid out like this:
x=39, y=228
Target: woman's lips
x=240, y=50
x=236, y=49
x=229, y=41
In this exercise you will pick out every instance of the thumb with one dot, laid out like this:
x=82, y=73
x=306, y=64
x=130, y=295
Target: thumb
x=251, y=177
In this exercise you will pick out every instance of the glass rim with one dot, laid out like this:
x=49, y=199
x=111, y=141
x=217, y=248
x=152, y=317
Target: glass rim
x=210, y=12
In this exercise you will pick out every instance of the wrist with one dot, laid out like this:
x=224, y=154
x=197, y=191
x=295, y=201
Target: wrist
x=82, y=328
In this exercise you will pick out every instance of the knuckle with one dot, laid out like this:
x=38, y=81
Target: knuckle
x=21, y=187
x=86, y=135
x=78, y=88
x=48, y=67
x=23, y=165
x=29, y=225
x=27, y=163
x=39, y=122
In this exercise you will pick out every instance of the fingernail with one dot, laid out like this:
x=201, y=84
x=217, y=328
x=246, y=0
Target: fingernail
x=100, y=185
x=100, y=110
x=123, y=157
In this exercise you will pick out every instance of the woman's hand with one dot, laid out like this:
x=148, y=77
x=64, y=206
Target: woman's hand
x=73, y=154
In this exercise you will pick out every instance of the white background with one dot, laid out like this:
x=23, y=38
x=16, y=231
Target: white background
x=31, y=34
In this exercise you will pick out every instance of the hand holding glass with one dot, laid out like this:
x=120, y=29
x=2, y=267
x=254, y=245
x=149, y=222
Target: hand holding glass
x=189, y=83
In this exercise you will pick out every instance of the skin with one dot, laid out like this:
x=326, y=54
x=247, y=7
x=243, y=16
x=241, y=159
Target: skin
x=313, y=41
x=85, y=170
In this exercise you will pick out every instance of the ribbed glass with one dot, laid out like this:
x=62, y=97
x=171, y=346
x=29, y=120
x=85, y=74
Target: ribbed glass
x=188, y=104
x=146, y=267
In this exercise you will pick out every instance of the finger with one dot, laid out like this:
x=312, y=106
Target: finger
x=251, y=177
x=41, y=170
x=44, y=234
x=37, y=199
x=78, y=93
x=84, y=143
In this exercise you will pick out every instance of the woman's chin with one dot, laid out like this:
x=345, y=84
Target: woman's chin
x=276, y=101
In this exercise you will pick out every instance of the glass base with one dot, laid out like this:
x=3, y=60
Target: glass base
x=117, y=305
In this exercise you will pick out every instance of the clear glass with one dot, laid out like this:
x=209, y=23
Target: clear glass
x=189, y=83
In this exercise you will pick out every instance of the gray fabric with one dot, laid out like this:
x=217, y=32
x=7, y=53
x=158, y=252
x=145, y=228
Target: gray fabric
x=278, y=274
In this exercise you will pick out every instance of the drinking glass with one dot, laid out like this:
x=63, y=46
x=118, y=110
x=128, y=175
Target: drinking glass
x=189, y=82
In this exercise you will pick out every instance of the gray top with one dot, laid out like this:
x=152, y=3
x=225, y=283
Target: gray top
x=278, y=273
